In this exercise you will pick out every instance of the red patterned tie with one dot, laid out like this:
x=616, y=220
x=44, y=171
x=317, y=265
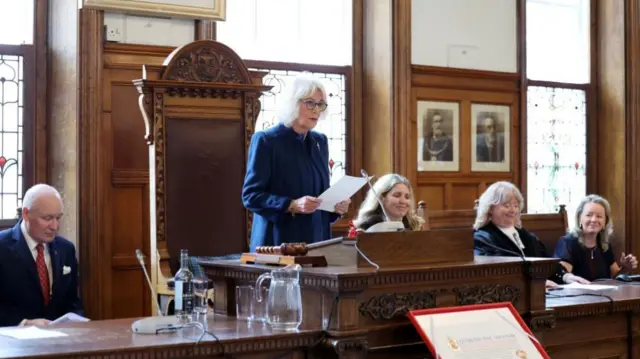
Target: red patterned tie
x=43, y=273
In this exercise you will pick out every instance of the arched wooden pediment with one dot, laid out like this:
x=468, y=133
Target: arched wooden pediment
x=206, y=61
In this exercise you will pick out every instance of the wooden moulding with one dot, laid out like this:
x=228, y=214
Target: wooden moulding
x=276, y=259
x=415, y=248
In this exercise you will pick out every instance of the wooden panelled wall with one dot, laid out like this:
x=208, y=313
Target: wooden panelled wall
x=113, y=158
x=459, y=189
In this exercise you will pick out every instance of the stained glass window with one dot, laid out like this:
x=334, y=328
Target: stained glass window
x=556, y=149
x=16, y=22
x=11, y=134
x=300, y=31
x=334, y=125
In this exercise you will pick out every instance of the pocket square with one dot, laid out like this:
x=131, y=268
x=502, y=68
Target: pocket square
x=66, y=270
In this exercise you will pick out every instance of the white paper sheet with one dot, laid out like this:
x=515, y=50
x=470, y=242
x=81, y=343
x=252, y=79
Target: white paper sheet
x=30, y=333
x=466, y=335
x=344, y=189
x=70, y=317
x=575, y=285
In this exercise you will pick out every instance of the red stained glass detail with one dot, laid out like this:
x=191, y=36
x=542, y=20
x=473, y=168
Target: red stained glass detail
x=331, y=163
x=536, y=165
x=576, y=165
x=3, y=161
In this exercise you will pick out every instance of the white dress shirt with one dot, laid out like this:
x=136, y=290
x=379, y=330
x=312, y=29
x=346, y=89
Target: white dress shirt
x=32, y=247
x=513, y=236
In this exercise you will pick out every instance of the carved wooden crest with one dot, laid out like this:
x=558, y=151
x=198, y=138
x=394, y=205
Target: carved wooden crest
x=206, y=61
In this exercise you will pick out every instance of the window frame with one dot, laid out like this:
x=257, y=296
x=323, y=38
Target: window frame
x=590, y=98
x=34, y=145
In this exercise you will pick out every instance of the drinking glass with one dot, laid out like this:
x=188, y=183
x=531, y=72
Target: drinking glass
x=244, y=302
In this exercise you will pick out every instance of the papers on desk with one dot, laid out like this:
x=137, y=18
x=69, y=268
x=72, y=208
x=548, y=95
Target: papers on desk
x=344, y=189
x=70, y=317
x=30, y=333
x=576, y=285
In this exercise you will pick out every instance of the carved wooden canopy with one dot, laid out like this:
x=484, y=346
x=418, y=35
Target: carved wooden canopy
x=199, y=111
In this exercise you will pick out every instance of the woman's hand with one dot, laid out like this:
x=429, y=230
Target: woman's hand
x=628, y=263
x=549, y=284
x=342, y=207
x=572, y=278
x=305, y=205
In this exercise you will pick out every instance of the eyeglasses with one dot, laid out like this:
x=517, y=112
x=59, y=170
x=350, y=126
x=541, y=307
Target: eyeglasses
x=311, y=105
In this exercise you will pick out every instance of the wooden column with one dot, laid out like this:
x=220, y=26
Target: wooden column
x=205, y=30
x=631, y=169
x=386, y=63
x=610, y=124
x=94, y=245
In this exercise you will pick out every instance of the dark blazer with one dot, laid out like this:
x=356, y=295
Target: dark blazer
x=482, y=150
x=376, y=218
x=491, y=241
x=590, y=264
x=20, y=293
x=282, y=166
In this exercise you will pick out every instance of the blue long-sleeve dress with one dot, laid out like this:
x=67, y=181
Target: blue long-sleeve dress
x=283, y=166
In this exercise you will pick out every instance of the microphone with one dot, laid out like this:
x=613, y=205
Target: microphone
x=154, y=325
x=526, y=263
x=140, y=257
x=366, y=176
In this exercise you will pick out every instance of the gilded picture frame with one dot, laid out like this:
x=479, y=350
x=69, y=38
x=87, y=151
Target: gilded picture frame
x=190, y=9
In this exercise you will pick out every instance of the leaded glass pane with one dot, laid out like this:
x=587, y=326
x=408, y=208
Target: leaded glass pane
x=334, y=125
x=16, y=22
x=11, y=112
x=556, y=149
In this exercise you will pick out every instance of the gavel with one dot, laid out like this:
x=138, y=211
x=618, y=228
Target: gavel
x=285, y=249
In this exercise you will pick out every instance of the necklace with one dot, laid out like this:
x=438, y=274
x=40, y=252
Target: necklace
x=592, y=250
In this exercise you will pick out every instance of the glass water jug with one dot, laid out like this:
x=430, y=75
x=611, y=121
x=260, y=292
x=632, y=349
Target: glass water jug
x=284, y=301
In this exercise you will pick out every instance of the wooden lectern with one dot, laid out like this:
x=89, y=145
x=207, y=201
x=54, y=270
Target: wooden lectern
x=363, y=309
x=199, y=111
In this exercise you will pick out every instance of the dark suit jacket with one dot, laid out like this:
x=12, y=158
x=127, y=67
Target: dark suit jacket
x=491, y=241
x=482, y=151
x=376, y=218
x=20, y=293
x=281, y=167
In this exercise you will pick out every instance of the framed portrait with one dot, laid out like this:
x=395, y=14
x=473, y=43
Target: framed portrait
x=490, y=138
x=190, y=9
x=438, y=136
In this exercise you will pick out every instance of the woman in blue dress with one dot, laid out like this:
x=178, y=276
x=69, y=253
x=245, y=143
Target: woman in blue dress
x=586, y=251
x=288, y=168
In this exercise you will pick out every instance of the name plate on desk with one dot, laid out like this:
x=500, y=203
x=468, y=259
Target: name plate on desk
x=415, y=248
x=485, y=331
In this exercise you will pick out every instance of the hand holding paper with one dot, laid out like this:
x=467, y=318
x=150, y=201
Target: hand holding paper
x=342, y=190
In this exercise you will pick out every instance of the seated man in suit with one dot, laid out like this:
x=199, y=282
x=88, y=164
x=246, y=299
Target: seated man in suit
x=38, y=269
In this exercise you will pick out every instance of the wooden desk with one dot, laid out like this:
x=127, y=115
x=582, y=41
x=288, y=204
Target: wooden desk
x=593, y=324
x=365, y=311
x=111, y=339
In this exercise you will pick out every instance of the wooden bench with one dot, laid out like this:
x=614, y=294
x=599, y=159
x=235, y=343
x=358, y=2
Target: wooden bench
x=548, y=227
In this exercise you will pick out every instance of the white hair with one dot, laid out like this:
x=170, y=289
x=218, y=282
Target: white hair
x=36, y=192
x=304, y=85
x=497, y=194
